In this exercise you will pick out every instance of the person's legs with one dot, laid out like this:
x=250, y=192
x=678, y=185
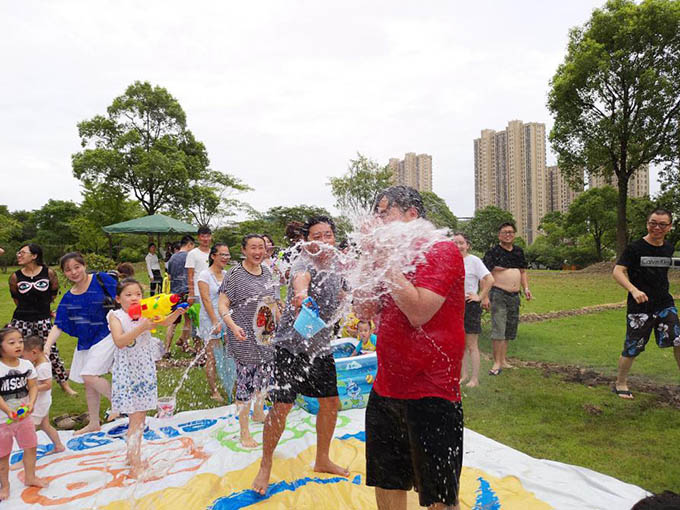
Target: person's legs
x=274, y=425
x=498, y=322
x=52, y=433
x=4, y=477
x=512, y=303
x=676, y=352
x=472, y=353
x=26, y=438
x=390, y=499
x=134, y=443
x=95, y=388
x=258, y=407
x=622, y=376
x=325, y=426
x=638, y=330
x=210, y=370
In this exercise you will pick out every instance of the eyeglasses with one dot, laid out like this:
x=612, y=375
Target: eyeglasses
x=654, y=224
x=224, y=255
x=507, y=232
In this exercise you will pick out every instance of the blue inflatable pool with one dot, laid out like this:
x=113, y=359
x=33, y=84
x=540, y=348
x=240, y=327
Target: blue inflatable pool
x=355, y=377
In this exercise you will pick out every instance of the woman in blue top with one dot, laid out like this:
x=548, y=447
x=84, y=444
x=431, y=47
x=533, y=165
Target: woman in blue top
x=82, y=315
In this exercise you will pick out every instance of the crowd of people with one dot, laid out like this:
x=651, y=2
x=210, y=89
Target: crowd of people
x=423, y=321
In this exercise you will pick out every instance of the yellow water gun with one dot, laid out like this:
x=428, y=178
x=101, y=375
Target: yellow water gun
x=156, y=307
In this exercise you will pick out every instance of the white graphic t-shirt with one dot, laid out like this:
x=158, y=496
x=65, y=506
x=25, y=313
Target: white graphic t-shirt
x=14, y=385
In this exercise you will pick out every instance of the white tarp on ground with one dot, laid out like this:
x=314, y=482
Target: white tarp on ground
x=195, y=461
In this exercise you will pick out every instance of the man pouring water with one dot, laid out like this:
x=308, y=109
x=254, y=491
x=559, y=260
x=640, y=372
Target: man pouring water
x=304, y=364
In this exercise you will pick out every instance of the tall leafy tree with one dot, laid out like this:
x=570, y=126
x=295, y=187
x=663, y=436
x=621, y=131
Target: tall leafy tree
x=438, y=212
x=482, y=229
x=355, y=191
x=143, y=147
x=616, y=96
x=593, y=213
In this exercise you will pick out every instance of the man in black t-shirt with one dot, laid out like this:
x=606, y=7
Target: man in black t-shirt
x=642, y=270
x=508, y=268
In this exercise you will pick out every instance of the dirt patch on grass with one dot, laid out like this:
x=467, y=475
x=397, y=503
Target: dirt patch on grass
x=667, y=394
x=536, y=317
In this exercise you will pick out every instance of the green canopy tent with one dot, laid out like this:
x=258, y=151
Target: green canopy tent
x=153, y=224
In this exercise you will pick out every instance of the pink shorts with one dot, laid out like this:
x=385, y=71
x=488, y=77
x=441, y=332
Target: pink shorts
x=22, y=430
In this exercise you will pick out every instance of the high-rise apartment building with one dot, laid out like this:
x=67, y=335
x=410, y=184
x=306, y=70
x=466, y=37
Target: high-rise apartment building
x=510, y=173
x=561, y=194
x=638, y=183
x=414, y=171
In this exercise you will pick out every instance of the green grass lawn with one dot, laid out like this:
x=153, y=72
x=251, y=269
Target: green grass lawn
x=543, y=416
x=593, y=341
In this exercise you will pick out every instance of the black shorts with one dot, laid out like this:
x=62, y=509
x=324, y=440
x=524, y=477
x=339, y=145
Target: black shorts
x=473, y=318
x=639, y=326
x=298, y=374
x=415, y=443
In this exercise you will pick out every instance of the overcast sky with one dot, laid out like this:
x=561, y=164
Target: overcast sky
x=282, y=93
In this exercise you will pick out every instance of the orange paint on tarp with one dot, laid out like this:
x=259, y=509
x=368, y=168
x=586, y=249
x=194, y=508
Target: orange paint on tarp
x=118, y=477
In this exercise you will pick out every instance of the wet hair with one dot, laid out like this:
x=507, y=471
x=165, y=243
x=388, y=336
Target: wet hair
x=507, y=224
x=294, y=230
x=464, y=236
x=152, y=244
x=36, y=250
x=125, y=270
x=404, y=197
x=667, y=500
x=186, y=240
x=125, y=283
x=267, y=237
x=248, y=237
x=315, y=220
x=204, y=229
x=33, y=342
x=658, y=212
x=73, y=255
x=6, y=331
x=213, y=251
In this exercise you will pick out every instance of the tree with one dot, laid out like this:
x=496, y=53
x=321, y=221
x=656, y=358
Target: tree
x=482, y=229
x=616, y=96
x=355, y=191
x=438, y=212
x=593, y=213
x=54, y=228
x=213, y=197
x=142, y=146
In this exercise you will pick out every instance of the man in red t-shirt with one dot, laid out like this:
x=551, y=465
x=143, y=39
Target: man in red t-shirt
x=414, y=417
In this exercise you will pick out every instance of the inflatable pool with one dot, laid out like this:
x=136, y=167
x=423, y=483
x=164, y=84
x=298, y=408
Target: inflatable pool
x=355, y=377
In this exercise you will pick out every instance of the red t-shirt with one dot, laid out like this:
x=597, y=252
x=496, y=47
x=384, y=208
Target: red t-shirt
x=425, y=362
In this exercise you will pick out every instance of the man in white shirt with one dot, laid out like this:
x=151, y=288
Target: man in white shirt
x=197, y=261
x=153, y=267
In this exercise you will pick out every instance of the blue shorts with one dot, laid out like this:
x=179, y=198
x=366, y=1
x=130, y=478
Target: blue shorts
x=639, y=328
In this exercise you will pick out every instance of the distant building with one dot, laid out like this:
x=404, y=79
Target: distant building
x=510, y=173
x=638, y=184
x=414, y=170
x=560, y=192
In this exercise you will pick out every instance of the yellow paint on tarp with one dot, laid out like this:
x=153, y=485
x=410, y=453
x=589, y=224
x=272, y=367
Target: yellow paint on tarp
x=203, y=489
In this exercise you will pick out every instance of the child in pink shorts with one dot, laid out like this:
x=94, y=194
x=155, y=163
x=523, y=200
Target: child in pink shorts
x=18, y=391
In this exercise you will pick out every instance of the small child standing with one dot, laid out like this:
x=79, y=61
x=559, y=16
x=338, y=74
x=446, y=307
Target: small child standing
x=17, y=389
x=367, y=340
x=33, y=352
x=134, y=389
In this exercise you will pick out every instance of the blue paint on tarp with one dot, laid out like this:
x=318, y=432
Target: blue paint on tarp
x=249, y=497
x=361, y=436
x=486, y=497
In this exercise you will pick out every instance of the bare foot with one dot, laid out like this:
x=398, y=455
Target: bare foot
x=36, y=482
x=70, y=391
x=507, y=365
x=4, y=493
x=248, y=442
x=623, y=392
x=330, y=467
x=137, y=470
x=261, y=482
x=472, y=384
x=16, y=466
x=58, y=448
x=217, y=397
x=259, y=416
x=87, y=429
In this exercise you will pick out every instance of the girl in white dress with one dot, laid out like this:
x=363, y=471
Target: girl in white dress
x=134, y=388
